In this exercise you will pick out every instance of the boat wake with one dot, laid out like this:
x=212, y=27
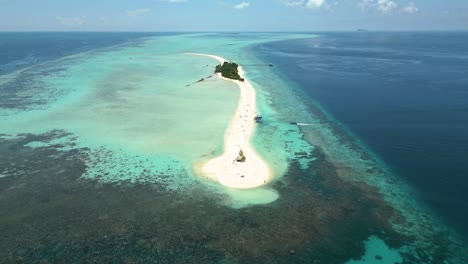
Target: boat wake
x=304, y=124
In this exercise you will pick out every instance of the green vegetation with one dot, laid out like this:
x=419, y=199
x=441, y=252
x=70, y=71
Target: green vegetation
x=229, y=70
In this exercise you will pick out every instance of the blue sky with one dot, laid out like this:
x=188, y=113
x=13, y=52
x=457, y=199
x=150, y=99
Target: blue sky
x=232, y=15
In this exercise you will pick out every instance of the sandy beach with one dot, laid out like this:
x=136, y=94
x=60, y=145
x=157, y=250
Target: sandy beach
x=252, y=173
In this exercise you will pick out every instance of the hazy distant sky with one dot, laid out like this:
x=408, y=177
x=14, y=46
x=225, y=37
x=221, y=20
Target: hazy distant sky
x=230, y=15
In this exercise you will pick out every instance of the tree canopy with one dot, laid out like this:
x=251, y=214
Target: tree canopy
x=229, y=70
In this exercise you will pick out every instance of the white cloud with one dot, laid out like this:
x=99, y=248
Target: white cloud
x=386, y=6
x=137, y=12
x=72, y=21
x=292, y=3
x=312, y=4
x=411, y=9
x=365, y=5
x=315, y=4
x=242, y=5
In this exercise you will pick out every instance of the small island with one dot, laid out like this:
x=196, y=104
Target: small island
x=239, y=166
x=229, y=70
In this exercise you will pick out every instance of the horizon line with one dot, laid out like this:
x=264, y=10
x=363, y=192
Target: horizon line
x=229, y=31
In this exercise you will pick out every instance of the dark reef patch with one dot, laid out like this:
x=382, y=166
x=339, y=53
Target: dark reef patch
x=27, y=91
x=50, y=215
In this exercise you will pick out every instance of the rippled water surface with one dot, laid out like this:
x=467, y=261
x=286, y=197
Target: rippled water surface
x=99, y=135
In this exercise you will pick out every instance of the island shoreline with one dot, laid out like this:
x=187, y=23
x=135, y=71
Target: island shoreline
x=254, y=172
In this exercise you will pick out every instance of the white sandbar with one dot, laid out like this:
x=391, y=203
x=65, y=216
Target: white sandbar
x=252, y=173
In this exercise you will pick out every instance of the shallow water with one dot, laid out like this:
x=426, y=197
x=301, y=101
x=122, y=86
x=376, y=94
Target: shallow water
x=100, y=146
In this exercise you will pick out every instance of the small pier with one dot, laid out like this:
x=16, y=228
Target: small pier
x=261, y=65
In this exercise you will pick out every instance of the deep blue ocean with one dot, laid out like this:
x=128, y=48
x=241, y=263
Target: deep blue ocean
x=405, y=95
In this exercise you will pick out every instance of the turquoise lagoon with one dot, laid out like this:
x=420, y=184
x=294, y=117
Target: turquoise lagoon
x=143, y=107
x=139, y=116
